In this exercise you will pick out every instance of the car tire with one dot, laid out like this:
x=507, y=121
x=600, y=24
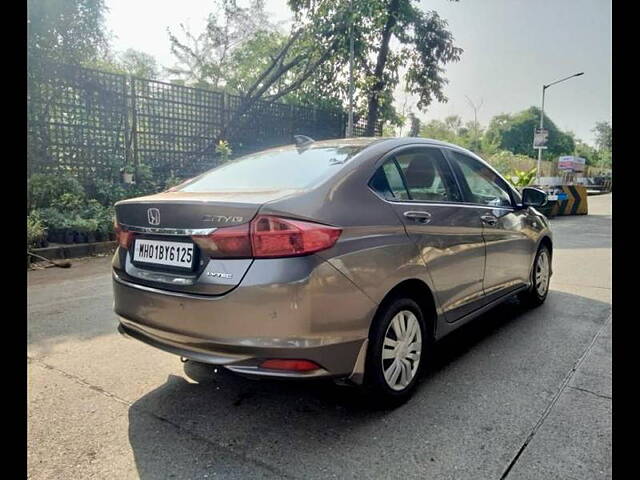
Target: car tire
x=535, y=295
x=387, y=386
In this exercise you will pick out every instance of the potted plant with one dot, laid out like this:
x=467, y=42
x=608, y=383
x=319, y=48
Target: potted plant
x=91, y=225
x=44, y=239
x=127, y=174
x=66, y=232
x=35, y=229
x=77, y=228
x=68, y=236
x=224, y=150
x=54, y=223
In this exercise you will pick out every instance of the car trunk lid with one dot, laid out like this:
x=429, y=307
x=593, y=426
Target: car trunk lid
x=172, y=217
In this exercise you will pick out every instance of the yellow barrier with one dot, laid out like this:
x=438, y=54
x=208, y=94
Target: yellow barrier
x=575, y=204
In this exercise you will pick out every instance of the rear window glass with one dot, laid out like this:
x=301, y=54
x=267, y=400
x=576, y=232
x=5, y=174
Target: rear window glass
x=274, y=170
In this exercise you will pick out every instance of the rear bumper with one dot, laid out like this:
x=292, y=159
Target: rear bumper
x=239, y=330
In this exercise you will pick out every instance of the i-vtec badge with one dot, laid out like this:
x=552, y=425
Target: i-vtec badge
x=219, y=275
x=222, y=219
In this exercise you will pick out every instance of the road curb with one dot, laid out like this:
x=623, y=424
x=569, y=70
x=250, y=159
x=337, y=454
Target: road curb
x=75, y=250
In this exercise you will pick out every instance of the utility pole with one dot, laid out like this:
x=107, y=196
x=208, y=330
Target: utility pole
x=544, y=88
x=475, y=116
x=350, y=120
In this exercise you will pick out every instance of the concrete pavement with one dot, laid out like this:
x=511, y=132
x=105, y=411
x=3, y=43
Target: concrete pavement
x=516, y=394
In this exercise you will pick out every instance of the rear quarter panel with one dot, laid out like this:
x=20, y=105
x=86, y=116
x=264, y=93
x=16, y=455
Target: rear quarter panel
x=373, y=251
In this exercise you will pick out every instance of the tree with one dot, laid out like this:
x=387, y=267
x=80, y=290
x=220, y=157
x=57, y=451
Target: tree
x=514, y=132
x=590, y=154
x=68, y=31
x=204, y=59
x=438, y=130
x=453, y=130
x=130, y=62
x=424, y=46
x=242, y=53
x=139, y=64
x=604, y=135
x=415, y=125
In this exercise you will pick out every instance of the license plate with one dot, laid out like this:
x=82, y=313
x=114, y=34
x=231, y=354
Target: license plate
x=161, y=252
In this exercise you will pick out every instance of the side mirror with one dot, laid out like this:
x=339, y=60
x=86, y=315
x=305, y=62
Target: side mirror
x=533, y=197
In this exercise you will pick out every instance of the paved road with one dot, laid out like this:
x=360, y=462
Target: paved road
x=516, y=394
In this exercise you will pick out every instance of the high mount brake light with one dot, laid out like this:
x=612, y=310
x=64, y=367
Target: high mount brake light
x=268, y=236
x=123, y=237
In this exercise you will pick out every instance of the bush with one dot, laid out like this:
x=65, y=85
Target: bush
x=103, y=216
x=44, y=189
x=107, y=192
x=53, y=219
x=68, y=202
x=83, y=225
x=35, y=229
x=522, y=178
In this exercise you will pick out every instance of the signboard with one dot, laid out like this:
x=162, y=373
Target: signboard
x=540, y=136
x=571, y=164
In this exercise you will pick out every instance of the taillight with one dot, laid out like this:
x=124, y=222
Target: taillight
x=123, y=237
x=268, y=237
x=281, y=237
x=227, y=242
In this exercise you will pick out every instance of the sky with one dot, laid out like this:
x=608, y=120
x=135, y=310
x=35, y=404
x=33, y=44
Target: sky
x=511, y=48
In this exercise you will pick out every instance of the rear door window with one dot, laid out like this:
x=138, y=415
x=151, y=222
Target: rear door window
x=427, y=175
x=387, y=181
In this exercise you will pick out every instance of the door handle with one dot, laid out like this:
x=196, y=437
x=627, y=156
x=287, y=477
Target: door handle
x=489, y=219
x=418, y=216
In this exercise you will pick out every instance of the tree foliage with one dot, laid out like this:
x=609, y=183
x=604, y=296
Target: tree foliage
x=130, y=62
x=242, y=53
x=453, y=130
x=604, y=136
x=68, y=31
x=139, y=64
x=388, y=35
x=514, y=132
x=206, y=59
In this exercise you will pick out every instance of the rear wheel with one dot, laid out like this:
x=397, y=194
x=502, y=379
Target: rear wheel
x=540, y=278
x=399, y=343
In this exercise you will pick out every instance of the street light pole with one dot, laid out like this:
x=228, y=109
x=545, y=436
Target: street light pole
x=544, y=88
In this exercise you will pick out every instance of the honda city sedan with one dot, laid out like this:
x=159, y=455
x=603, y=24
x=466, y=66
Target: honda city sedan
x=344, y=259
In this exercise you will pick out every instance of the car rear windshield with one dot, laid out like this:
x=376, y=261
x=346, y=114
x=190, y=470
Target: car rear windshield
x=280, y=169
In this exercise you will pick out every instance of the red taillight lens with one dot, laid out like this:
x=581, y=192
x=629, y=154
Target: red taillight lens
x=227, y=242
x=281, y=237
x=291, y=365
x=268, y=237
x=123, y=237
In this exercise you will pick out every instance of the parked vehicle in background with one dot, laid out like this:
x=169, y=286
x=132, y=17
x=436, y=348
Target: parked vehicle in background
x=344, y=258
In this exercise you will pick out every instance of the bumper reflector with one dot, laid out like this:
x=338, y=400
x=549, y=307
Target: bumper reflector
x=291, y=365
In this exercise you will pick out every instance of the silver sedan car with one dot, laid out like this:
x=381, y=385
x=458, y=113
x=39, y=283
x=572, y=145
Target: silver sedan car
x=344, y=259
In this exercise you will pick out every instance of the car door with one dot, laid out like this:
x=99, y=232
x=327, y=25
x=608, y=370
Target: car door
x=508, y=248
x=420, y=186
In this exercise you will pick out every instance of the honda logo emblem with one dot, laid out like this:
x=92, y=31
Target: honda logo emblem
x=153, y=215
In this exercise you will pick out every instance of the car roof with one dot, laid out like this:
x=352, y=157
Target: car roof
x=368, y=141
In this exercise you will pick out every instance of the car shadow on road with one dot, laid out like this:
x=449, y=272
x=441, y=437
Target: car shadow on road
x=241, y=420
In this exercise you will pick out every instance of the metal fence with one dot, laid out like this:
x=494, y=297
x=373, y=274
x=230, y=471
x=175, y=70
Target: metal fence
x=91, y=123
